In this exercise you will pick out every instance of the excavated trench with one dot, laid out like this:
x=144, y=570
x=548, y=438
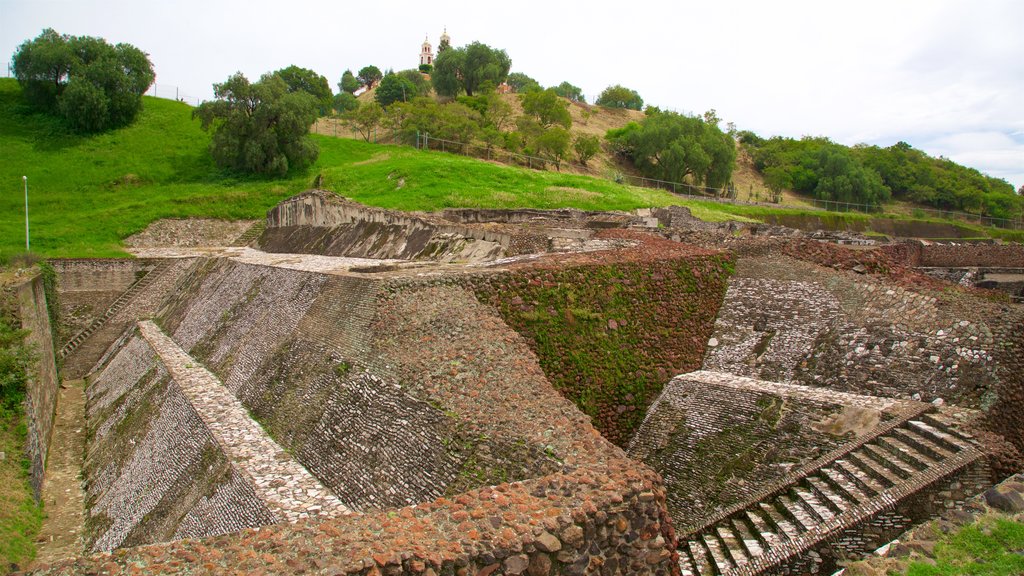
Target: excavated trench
x=457, y=356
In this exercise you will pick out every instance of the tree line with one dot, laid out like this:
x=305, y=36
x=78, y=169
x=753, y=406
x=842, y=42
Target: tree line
x=263, y=126
x=873, y=175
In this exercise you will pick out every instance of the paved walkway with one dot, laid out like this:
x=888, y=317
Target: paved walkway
x=287, y=488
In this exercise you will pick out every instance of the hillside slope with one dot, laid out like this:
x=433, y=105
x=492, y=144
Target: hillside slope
x=87, y=193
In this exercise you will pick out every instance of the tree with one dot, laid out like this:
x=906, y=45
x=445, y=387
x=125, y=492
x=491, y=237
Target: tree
x=365, y=119
x=777, y=178
x=620, y=97
x=672, y=147
x=416, y=78
x=305, y=80
x=94, y=86
x=568, y=91
x=395, y=88
x=259, y=127
x=465, y=69
x=345, y=102
x=369, y=75
x=426, y=68
x=547, y=107
x=843, y=179
x=586, y=147
x=521, y=83
x=553, y=143
x=348, y=82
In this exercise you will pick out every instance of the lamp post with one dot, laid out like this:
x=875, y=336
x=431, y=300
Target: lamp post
x=25, y=179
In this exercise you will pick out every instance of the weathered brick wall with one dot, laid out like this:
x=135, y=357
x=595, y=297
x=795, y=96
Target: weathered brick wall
x=153, y=471
x=792, y=321
x=962, y=255
x=87, y=287
x=41, y=392
x=323, y=223
x=719, y=441
x=143, y=305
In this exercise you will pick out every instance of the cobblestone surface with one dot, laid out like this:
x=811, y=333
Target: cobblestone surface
x=285, y=485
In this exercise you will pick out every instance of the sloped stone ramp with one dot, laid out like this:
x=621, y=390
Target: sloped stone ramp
x=288, y=490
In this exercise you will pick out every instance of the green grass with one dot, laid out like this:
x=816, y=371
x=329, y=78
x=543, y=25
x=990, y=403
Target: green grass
x=991, y=546
x=87, y=193
x=20, y=516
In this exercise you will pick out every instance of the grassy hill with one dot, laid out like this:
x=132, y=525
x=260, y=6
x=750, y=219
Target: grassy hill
x=87, y=193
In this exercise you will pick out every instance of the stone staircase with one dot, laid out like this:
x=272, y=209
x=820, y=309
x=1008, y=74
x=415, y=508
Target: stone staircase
x=251, y=234
x=118, y=305
x=822, y=507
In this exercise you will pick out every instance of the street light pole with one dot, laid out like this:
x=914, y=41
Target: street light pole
x=25, y=179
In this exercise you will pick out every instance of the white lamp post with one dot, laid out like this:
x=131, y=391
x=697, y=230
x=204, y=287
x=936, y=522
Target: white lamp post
x=25, y=179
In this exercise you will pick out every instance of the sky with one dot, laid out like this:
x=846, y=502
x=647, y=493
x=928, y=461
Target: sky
x=945, y=76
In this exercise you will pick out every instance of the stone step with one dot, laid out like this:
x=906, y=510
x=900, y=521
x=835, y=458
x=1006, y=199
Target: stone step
x=949, y=441
x=699, y=557
x=732, y=545
x=931, y=448
x=801, y=517
x=720, y=561
x=831, y=495
x=813, y=503
x=880, y=474
x=764, y=530
x=948, y=424
x=751, y=543
x=783, y=524
x=905, y=452
x=855, y=488
x=888, y=460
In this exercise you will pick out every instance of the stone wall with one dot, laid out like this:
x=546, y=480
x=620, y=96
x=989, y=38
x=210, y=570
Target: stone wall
x=41, y=393
x=969, y=254
x=143, y=305
x=322, y=223
x=719, y=440
x=153, y=471
x=792, y=321
x=611, y=329
x=88, y=286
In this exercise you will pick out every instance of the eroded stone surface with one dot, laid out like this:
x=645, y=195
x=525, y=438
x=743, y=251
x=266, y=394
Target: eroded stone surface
x=289, y=490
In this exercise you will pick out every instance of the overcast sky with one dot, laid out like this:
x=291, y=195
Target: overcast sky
x=945, y=76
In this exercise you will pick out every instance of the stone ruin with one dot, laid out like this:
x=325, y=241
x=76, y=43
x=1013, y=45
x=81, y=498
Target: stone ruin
x=350, y=390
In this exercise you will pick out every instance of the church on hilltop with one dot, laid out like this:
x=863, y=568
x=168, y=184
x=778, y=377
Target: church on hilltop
x=426, y=50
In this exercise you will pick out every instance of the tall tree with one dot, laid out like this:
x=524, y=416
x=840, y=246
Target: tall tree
x=521, y=83
x=259, y=127
x=620, y=97
x=465, y=69
x=549, y=109
x=305, y=80
x=672, y=147
x=93, y=85
x=567, y=90
x=369, y=75
x=348, y=82
x=395, y=88
x=365, y=119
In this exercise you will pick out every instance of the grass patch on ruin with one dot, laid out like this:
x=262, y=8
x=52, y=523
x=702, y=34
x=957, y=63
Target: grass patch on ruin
x=992, y=546
x=87, y=193
x=20, y=516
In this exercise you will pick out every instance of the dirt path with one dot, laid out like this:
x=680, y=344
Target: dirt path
x=63, y=499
